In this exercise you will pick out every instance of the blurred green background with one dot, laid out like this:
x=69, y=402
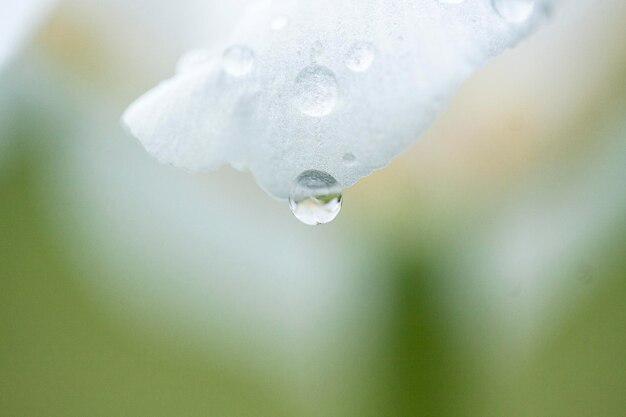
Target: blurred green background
x=482, y=274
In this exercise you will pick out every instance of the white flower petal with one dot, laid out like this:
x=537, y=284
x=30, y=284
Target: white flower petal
x=358, y=78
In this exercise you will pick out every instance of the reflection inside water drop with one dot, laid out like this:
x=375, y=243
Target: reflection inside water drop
x=316, y=198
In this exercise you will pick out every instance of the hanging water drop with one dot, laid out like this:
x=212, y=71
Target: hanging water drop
x=238, y=60
x=316, y=91
x=514, y=11
x=360, y=56
x=316, y=198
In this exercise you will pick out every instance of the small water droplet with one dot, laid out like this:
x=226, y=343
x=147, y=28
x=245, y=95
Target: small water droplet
x=514, y=11
x=360, y=56
x=238, y=60
x=451, y=1
x=316, y=91
x=349, y=159
x=316, y=198
x=280, y=22
x=317, y=51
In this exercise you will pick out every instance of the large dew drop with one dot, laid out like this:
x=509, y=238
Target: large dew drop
x=514, y=11
x=360, y=56
x=238, y=60
x=316, y=91
x=315, y=198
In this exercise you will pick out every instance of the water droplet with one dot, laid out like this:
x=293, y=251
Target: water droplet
x=451, y=1
x=280, y=22
x=360, y=56
x=514, y=11
x=317, y=50
x=315, y=198
x=238, y=60
x=316, y=91
x=349, y=159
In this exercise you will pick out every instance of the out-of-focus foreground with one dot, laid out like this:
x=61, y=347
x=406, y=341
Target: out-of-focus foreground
x=481, y=274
